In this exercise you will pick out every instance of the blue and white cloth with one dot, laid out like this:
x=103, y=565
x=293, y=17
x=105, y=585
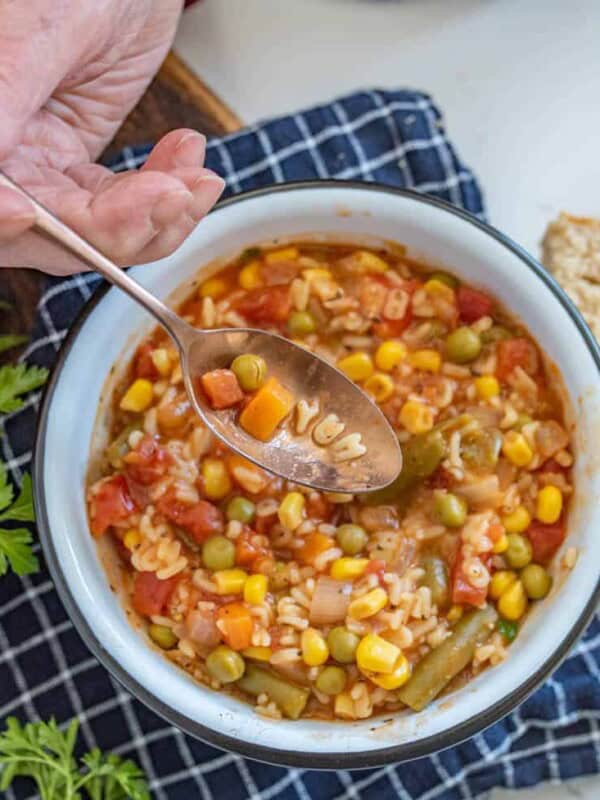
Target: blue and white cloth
x=395, y=138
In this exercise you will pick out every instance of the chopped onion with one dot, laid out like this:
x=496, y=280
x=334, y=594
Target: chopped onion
x=330, y=601
x=550, y=437
x=201, y=628
x=486, y=416
x=482, y=493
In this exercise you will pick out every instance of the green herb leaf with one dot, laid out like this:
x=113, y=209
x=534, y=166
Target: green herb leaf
x=6, y=490
x=42, y=752
x=15, y=543
x=10, y=340
x=22, y=509
x=17, y=380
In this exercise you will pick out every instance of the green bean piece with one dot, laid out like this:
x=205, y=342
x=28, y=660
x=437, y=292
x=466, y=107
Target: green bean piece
x=240, y=509
x=342, y=645
x=444, y=277
x=519, y=552
x=437, y=581
x=481, y=448
x=162, y=636
x=435, y=671
x=119, y=447
x=331, y=680
x=288, y=697
x=450, y=509
x=218, y=552
x=508, y=629
x=250, y=370
x=351, y=538
x=463, y=345
x=225, y=665
x=301, y=323
x=536, y=581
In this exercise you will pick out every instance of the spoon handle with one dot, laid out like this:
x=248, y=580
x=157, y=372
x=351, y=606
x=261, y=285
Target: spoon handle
x=49, y=224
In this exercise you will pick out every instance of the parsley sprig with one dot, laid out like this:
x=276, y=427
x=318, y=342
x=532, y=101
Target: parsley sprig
x=15, y=543
x=42, y=752
x=17, y=380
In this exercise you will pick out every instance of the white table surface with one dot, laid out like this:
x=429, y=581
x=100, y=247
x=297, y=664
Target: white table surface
x=517, y=80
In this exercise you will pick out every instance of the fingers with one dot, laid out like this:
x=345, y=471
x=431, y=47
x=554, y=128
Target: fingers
x=16, y=214
x=180, y=148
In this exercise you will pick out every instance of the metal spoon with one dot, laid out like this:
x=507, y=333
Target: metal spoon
x=297, y=458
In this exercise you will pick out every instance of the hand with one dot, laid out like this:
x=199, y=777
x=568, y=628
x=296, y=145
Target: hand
x=70, y=71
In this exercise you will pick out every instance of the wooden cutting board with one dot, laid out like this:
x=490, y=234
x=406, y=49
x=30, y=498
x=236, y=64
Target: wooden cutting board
x=177, y=98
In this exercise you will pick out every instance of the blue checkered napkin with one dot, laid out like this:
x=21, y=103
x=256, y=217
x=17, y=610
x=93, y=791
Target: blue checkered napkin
x=45, y=669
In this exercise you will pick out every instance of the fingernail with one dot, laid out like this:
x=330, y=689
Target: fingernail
x=207, y=190
x=170, y=206
x=190, y=150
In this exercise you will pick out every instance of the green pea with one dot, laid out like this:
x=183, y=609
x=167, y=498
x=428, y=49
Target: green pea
x=518, y=553
x=301, y=323
x=463, y=345
x=250, y=370
x=351, y=538
x=495, y=334
x=342, y=645
x=225, y=665
x=162, y=636
x=331, y=680
x=218, y=553
x=240, y=509
x=508, y=629
x=450, y=509
x=444, y=277
x=536, y=581
x=436, y=579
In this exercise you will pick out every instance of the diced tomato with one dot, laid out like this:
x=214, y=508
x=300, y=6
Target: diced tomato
x=441, y=479
x=545, y=539
x=150, y=594
x=246, y=551
x=472, y=305
x=110, y=502
x=462, y=591
x=266, y=306
x=511, y=353
x=236, y=624
x=148, y=462
x=376, y=566
x=143, y=364
x=222, y=388
x=200, y=520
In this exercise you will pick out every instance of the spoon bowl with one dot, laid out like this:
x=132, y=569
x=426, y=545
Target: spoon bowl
x=297, y=458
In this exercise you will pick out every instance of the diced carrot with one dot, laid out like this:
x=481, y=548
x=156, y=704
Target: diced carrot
x=235, y=623
x=314, y=544
x=222, y=388
x=269, y=406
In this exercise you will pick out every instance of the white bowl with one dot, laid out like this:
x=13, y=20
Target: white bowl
x=442, y=235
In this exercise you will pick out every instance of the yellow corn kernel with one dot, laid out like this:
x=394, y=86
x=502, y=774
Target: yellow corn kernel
x=518, y=521
x=369, y=604
x=347, y=569
x=357, y=366
x=389, y=354
x=500, y=582
x=213, y=287
x=487, y=386
x=436, y=287
x=258, y=653
x=138, y=397
x=549, y=504
x=501, y=545
x=162, y=361
x=375, y=654
x=314, y=648
x=427, y=360
x=283, y=254
x=255, y=589
x=513, y=602
x=380, y=386
x=250, y=277
x=131, y=539
x=344, y=706
x=316, y=274
x=455, y=613
x=396, y=678
x=369, y=262
x=291, y=510
x=215, y=478
x=516, y=448
x=230, y=581
x=416, y=417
